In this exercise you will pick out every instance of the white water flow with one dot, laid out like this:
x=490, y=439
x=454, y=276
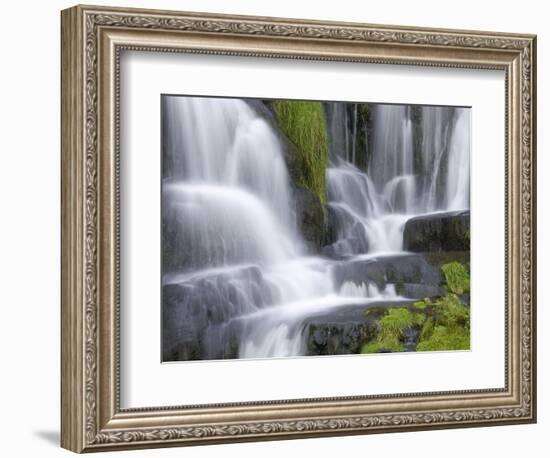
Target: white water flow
x=245, y=283
x=371, y=207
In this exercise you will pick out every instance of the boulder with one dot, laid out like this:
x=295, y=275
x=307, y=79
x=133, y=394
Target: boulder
x=438, y=232
x=198, y=311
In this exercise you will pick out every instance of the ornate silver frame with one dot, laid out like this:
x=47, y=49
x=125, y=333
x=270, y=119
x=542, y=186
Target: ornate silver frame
x=92, y=39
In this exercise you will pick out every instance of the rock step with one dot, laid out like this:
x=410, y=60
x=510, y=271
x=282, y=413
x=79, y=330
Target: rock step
x=414, y=275
x=438, y=232
x=342, y=331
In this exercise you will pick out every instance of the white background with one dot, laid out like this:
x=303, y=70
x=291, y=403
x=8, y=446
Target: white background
x=29, y=241
x=145, y=76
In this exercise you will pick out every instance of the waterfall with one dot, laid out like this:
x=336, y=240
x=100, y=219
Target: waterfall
x=370, y=208
x=229, y=237
x=237, y=278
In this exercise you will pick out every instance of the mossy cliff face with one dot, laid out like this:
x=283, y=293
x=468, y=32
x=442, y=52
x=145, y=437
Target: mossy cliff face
x=303, y=124
x=436, y=324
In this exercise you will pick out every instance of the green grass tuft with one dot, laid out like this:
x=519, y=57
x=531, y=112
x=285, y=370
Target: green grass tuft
x=392, y=326
x=396, y=320
x=303, y=123
x=420, y=305
x=457, y=278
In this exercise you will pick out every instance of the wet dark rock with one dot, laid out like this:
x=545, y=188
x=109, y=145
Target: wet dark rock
x=438, y=232
x=418, y=290
x=348, y=126
x=180, y=325
x=444, y=257
x=263, y=108
x=198, y=312
x=334, y=338
x=310, y=218
x=342, y=331
x=410, y=338
x=398, y=270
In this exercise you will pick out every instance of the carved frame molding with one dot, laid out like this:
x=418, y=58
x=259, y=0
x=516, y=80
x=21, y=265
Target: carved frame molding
x=92, y=39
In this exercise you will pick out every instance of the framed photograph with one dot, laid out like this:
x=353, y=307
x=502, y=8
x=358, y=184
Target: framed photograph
x=277, y=228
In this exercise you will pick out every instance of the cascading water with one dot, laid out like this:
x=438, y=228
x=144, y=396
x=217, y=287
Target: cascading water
x=237, y=277
x=371, y=207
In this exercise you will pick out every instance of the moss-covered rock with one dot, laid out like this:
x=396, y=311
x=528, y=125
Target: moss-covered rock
x=393, y=330
x=438, y=323
x=447, y=327
x=443, y=338
x=457, y=278
x=344, y=329
x=303, y=124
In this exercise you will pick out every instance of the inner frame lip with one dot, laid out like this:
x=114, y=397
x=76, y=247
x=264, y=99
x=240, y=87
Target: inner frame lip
x=475, y=394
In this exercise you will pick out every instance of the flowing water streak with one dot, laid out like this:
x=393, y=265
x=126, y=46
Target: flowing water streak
x=458, y=169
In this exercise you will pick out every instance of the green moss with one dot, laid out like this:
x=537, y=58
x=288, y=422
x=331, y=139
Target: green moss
x=448, y=328
x=444, y=322
x=376, y=346
x=396, y=320
x=451, y=312
x=457, y=278
x=420, y=305
x=427, y=329
x=446, y=338
x=392, y=326
x=303, y=123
